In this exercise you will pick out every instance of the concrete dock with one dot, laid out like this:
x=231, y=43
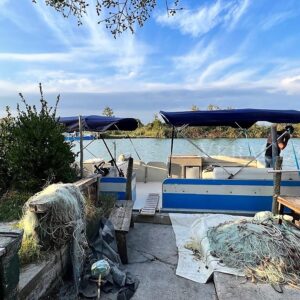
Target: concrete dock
x=153, y=259
x=152, y=255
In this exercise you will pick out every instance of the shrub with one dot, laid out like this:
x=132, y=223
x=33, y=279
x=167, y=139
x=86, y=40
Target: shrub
x=5, y=139
x=11, y=204
x=35, y=151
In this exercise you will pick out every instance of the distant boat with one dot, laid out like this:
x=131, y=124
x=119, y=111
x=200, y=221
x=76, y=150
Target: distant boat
x=71, y=138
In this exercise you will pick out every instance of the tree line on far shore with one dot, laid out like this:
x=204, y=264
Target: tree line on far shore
x=158, y=129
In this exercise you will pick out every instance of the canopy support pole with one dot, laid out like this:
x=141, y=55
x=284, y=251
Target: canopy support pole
x=172, y=143
x=81, y=145
x=110, y=154
x=274, y=144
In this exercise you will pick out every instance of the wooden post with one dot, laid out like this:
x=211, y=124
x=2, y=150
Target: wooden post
x=122, y=246
x=276, y=185
x=172, y=144
x=81, y=145
x=129, y=179
x=115, y=150
x=274, y=143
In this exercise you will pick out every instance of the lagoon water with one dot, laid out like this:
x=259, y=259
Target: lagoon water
x=151, y=149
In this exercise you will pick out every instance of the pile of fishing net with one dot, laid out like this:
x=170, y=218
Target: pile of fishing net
x=58, y=221
x=260, y=247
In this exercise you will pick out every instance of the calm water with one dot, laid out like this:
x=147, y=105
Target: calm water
x=159, y=149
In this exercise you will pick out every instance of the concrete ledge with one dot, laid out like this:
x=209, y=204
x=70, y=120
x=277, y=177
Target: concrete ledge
x=158, y=218
x=37, y=279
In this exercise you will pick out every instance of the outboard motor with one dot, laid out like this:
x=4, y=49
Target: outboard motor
x=100, y=169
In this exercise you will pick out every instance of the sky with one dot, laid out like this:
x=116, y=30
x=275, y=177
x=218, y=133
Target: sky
x=230, y=53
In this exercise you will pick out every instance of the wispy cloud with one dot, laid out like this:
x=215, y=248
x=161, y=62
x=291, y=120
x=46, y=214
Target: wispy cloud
x=237, y=10
x=8, y=13
x=291, y=84
x=36, y=57
x=222, y=55
x=202, y=20
x=195, y=58
x=216, y=69
x=277, y=18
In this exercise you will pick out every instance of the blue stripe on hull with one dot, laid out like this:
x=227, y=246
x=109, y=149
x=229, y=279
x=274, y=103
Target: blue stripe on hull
x=113, y=179
x=115, y=195
x=217, y=202
x=261, y=182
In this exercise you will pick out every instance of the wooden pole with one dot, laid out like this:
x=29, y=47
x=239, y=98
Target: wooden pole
x=129, y=179
x=274, y=143
x=276, y=184
x=170, y=160
x=81, y=145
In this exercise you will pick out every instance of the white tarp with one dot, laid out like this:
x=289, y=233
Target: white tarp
x=194, y=226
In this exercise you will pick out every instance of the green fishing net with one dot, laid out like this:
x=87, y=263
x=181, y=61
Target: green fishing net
x=260, y=247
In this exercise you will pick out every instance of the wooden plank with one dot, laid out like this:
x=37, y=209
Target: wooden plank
x=150, y=206
x=85, y=182
x=121, y=215
x=42, y=205
x=122, y=246
x=291, y=202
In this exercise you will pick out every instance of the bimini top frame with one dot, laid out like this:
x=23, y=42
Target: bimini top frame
x=243, y=118
x=97, y=124
x=237, y=118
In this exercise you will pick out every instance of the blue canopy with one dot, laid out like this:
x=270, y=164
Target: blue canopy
x=244, y=118
x=99, y=123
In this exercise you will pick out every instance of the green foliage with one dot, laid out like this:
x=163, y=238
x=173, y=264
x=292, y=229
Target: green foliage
x=158, y=129
x=11, y=204
x=5, y=139
x=119, y=16
x=30, y=251
x=108, y=112
x=194, y=108
x=35, y=151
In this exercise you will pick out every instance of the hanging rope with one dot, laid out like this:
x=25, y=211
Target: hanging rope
x=134, y=147
x=127, y=135
x=245, y=132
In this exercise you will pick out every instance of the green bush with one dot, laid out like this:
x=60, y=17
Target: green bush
x=5, y=139
x=11, y=205
x=35, y=151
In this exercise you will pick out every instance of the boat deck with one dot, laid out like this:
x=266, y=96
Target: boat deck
x=142, y=192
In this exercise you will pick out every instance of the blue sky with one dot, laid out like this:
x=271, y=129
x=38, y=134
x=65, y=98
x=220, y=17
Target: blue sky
x=238, y=53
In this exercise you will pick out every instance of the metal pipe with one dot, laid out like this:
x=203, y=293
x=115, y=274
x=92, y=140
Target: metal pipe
x=81, y=145
x=274, y=144
x=172, y=142
x=110, y=154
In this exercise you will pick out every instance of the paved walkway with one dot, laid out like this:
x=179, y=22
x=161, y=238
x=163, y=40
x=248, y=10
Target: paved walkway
x=153, y=259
